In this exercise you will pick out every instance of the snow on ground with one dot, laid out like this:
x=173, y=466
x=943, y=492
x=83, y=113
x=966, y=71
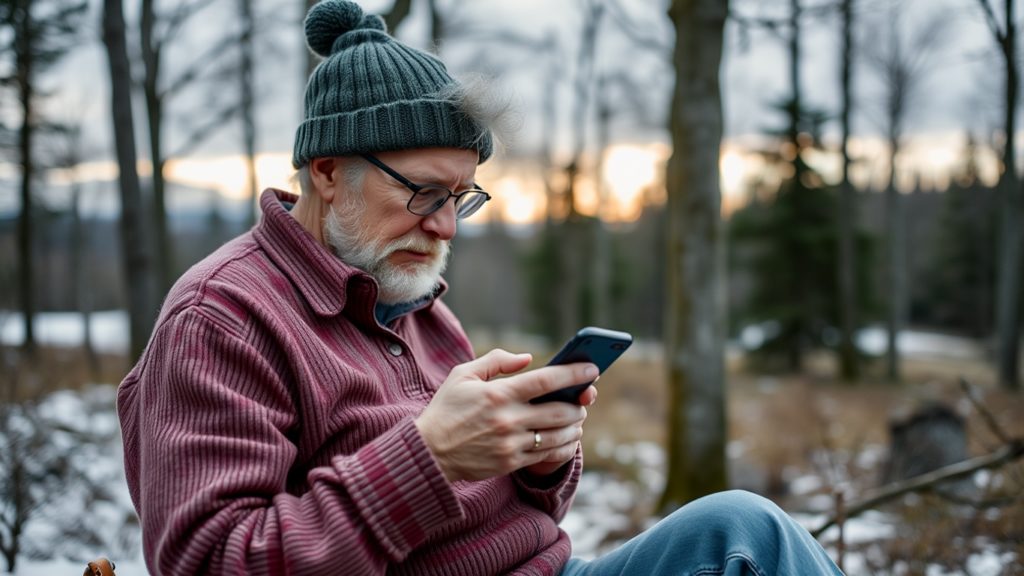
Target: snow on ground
x=110, y=334
x=603, y=514
x=108, y=328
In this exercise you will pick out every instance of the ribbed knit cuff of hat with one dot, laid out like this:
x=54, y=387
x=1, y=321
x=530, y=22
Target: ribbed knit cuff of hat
x=387, y=127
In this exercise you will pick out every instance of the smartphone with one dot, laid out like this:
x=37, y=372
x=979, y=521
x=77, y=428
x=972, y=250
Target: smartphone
x=596, y=345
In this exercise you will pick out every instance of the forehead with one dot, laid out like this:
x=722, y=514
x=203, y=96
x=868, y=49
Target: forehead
x=434, y=165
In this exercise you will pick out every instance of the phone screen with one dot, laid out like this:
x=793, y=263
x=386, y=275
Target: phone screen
x=599, y=346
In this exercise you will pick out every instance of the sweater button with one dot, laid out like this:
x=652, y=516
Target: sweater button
x=395, y=349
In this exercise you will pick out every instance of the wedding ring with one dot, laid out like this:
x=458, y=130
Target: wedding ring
x=536, y=440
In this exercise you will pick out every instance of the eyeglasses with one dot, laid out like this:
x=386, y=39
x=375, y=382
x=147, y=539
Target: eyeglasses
x=429, y=198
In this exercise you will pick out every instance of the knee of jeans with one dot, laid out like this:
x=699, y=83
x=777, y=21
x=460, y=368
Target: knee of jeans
x=732, y=509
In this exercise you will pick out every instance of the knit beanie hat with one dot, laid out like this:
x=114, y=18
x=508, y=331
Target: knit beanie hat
x=371, y=93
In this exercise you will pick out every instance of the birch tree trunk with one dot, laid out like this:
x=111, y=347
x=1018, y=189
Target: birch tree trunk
x=138, y=266
x=694, y=326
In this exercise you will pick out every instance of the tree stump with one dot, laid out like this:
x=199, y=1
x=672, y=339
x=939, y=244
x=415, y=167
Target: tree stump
x=931, y=437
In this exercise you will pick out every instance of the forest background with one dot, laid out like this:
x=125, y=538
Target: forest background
x=807, y=213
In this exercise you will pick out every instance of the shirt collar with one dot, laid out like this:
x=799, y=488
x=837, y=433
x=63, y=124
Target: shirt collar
x=387, y=313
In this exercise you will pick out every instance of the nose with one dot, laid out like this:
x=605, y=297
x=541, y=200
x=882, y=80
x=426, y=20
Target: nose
x=441, y=224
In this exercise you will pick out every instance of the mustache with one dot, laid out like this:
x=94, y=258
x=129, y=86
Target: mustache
x=417, y=244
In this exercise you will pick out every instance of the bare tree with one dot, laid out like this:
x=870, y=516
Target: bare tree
x=901, y=63
x=570, y=235
x=849, y=367
x=68, y=157
x=138, y=265
x=800, y=296
x=612, y=86
x=35, y=35
x=694, y=335
x=1011, y=235
x=157, y=31
x=247, y=94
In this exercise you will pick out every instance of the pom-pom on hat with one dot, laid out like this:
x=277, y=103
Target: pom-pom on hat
x=371, y=93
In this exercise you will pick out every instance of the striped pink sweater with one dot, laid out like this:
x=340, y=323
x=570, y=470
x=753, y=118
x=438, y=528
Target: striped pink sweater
x=268, y=429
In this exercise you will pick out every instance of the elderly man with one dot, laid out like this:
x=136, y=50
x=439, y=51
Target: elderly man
x=308, y=405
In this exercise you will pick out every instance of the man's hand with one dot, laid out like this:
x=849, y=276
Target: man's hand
x=480, y=423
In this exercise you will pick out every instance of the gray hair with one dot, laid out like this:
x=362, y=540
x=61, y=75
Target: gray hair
x=352, y=173
x=485, y=104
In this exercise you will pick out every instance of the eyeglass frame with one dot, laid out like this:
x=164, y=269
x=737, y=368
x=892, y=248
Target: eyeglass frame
x=416, y=188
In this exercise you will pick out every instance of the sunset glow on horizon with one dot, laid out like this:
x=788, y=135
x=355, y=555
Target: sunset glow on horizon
x=633, y=174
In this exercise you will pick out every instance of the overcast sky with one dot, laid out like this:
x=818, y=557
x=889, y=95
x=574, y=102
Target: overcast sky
x=961, y=88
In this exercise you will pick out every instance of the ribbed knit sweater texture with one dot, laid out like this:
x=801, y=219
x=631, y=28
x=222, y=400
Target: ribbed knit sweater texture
x=268, y=429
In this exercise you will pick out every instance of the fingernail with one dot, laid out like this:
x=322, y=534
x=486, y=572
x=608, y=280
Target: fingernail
x=591, y=372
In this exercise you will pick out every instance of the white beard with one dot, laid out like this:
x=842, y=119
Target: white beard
x=351, y=241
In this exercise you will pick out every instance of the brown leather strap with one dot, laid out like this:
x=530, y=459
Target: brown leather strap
x=100, y=567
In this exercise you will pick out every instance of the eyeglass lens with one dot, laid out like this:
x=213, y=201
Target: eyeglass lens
x=429, y=199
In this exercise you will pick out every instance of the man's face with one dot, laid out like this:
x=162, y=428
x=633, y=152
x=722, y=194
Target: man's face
x=406, y=253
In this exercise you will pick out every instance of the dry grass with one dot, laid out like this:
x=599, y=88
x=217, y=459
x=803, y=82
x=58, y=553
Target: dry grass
x=785, y=426
x=56, y=368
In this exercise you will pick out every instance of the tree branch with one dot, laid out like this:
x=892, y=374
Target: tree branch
x=203, y=131
x=993, y=24
x=200, y=64
x=636, y=33
x=176, y=19
x=398, y=13
x=972, y=394
x=1007, y=453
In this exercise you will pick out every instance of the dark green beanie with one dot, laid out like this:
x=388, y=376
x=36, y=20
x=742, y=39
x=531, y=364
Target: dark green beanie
x=373, y=94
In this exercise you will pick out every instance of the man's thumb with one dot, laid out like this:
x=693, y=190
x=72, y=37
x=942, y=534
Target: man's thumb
x=498, y=362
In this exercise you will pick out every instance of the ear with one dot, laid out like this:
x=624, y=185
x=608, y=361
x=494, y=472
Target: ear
x=325, y=175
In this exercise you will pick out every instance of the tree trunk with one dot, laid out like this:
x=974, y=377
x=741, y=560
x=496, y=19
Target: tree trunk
x=601, y=264
x=151, y=54
x=694, y=330
x=849, y=367
x=895, y=260
x=573, y=231
x=437, y=26
x=311, y=59
x=80, y=285
x=900, y=81
x=134, y=247
x=247, y=87
x=1008, y=314
x=799, y=285
x=26, y=95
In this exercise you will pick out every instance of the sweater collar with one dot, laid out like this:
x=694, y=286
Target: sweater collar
x=324, y=280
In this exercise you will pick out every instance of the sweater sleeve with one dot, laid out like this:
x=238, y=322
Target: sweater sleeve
x=552, y=494
x=208, y=426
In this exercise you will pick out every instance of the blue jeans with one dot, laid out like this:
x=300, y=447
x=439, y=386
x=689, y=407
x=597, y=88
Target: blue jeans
x=732, y=533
